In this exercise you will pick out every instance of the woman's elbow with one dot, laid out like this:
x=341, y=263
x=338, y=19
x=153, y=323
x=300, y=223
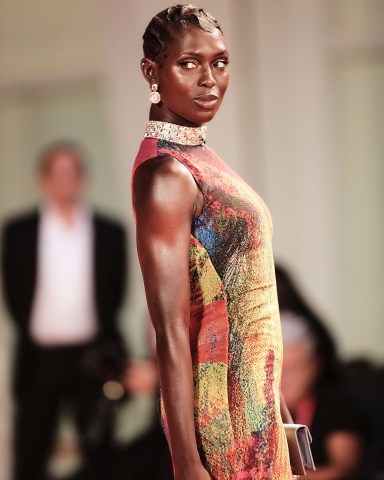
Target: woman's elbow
x=172, y=343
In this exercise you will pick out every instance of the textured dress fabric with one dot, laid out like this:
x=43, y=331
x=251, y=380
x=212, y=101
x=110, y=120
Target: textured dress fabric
x=235, y=333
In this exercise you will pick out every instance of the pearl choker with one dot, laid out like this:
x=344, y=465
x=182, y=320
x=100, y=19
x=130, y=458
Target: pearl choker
x=171, y=132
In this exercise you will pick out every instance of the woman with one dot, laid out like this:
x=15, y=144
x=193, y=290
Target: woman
x=204, y=245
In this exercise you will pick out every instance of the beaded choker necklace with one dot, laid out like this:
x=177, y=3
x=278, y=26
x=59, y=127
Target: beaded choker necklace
x=171, y=132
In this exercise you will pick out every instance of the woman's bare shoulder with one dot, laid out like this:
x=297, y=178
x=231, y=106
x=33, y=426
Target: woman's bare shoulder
x=162, y=179
x=156, y=171
x=160, y=166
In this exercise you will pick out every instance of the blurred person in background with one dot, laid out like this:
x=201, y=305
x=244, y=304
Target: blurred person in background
x=365, y=381
x=64, y=269
x=314, y=387
x=147, y=457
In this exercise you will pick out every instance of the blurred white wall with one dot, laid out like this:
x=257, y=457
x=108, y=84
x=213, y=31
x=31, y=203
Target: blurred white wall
x=302, y=121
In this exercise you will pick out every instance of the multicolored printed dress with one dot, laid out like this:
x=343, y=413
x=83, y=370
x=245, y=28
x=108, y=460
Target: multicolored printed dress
x=235, y=334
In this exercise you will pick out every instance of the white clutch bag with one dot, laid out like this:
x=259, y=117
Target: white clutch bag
x=299, y=445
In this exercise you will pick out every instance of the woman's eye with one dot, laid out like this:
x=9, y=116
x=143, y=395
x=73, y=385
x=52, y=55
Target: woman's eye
x=221, y=63
x=187, y=64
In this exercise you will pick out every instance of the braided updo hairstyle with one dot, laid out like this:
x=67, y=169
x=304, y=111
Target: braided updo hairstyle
x=174, y=19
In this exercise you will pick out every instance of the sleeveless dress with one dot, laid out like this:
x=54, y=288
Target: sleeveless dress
x=235, y=333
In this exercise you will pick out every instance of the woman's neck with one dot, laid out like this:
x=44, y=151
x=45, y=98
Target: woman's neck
x=159, y=114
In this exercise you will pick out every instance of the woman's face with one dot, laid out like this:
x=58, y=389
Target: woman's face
x=193, y=78
x=300, y=372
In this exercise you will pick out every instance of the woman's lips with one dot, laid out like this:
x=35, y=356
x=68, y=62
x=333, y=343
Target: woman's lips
x=206, y=101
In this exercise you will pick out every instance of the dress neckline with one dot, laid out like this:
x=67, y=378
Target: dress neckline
x=171, y=132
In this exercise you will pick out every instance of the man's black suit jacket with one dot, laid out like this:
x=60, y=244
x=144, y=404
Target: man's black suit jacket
x=19, y=276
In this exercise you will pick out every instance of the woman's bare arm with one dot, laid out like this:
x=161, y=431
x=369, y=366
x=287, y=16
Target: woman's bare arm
x=285, y=413
x=165, y=198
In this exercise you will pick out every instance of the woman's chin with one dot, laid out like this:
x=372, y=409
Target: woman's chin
x=205, y=116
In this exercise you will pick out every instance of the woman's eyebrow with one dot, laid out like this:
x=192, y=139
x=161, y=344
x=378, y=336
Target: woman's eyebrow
x=198, y=54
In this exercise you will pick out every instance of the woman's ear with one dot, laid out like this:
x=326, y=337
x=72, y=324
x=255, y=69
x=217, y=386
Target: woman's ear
x=149, y=69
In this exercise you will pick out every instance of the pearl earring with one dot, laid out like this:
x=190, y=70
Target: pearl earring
x=154, y=97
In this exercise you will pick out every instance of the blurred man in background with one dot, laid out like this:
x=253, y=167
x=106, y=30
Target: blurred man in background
x=63, y=268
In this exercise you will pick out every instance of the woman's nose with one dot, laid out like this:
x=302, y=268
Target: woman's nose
x=207, y=78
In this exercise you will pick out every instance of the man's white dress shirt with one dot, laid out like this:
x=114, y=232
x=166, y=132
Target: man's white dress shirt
x=63, y=311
